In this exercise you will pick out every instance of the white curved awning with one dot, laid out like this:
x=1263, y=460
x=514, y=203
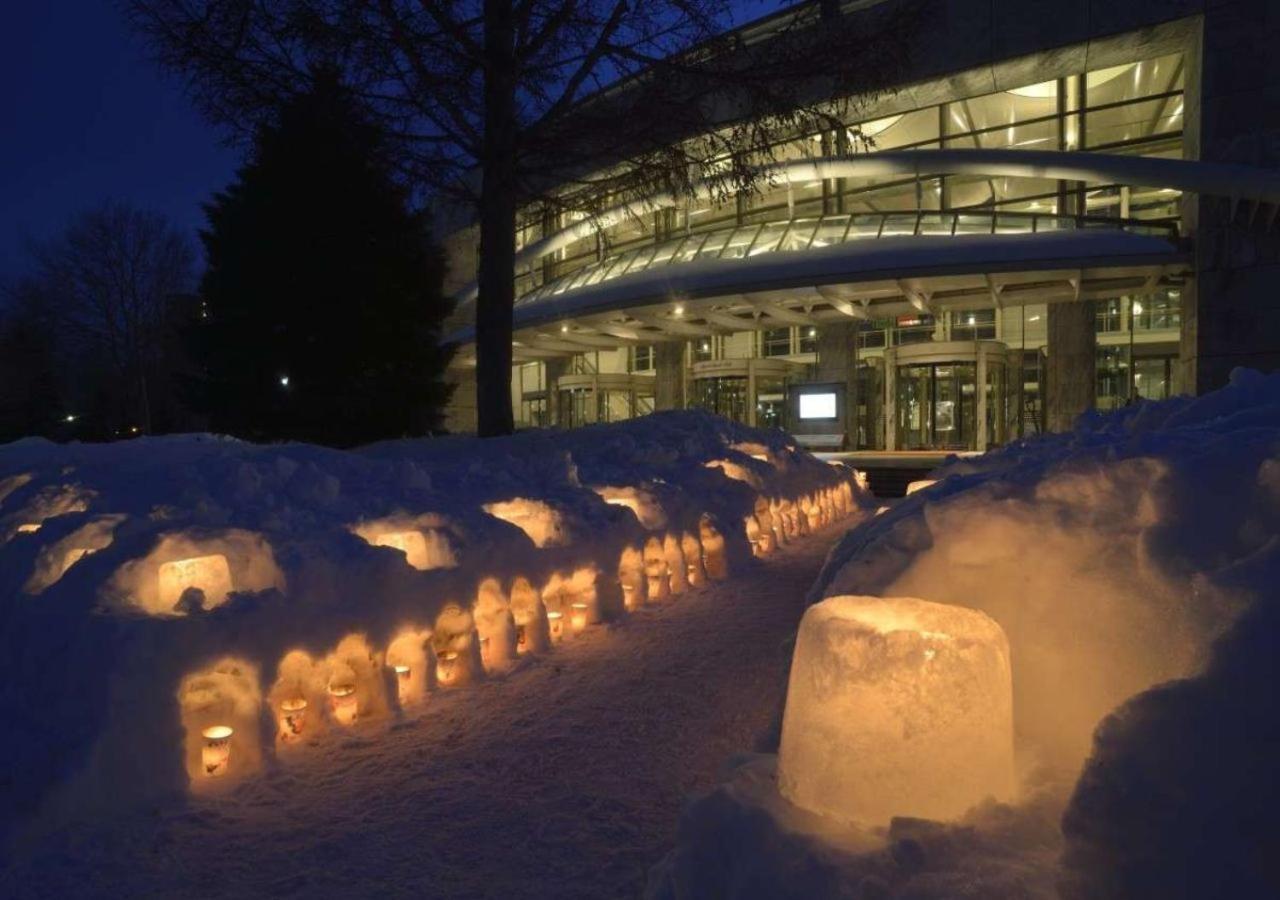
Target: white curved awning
x=861, y=279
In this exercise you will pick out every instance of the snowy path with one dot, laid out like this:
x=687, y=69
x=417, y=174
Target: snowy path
x=564, y=778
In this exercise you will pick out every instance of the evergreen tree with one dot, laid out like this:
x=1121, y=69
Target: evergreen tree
x=323, y=298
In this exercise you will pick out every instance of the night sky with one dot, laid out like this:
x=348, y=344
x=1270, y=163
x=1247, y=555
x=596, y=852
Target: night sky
x=88, y=117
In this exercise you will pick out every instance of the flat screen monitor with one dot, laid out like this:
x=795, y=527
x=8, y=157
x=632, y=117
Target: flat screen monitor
x=818, y=406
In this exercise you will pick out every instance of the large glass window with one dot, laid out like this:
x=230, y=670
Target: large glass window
x=1132, y=108
x=775, y=342
x=1162, y=310
x=974, y=325
x=642, y=359
x=808, y=342
x=1107, y=316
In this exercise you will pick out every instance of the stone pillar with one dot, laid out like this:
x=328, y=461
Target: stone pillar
x=668, y=383
x=552, y=370
x=838, y=364
x=1071, y=371
x=1231, y=309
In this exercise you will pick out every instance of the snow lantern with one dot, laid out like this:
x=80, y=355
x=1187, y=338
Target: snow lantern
x=897, y=707
x=673, y=550
x=495, y=624
x=292, y=719
x=631, y=575
x=779, y=525
x=920, y=485
x=220, y=708
x=457, y=647
x=713, y=552
x=541, y=522
x=764, y=519
x=344, y=703
x=447, y=668
x=658, y=581
x=530, y=618
x=215, y=756
x=755, y=537
x=409, y=656
x=695, y=573
x=578, y=616
x=209, y=574
x=555, y=625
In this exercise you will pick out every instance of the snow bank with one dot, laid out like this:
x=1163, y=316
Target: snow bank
x=1113, y=558
x=178, y=613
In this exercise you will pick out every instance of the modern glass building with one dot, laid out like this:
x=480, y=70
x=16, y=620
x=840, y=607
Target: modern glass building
x=1058, y=211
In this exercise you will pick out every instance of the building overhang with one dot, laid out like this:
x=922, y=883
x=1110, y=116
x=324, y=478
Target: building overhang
x=881, y=278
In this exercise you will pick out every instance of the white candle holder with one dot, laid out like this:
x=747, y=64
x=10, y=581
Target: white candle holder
x=215, y=756
x=403, y=676
x=578, y=617
x=447, y=667
x=555, y=623
x=344, y=703
x=293, y=719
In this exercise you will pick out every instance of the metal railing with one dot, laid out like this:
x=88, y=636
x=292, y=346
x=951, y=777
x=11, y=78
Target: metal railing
x=794, y=235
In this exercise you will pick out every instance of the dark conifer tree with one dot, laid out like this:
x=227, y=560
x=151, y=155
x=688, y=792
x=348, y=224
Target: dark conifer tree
x=323, y=299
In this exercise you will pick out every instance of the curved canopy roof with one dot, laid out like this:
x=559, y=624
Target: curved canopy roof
x=884, y=277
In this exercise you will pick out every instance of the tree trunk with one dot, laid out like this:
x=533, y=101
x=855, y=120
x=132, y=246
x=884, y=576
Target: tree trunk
x=496, y=279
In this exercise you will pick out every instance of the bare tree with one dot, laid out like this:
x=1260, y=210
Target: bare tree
x=544, y=104
x=110, y=281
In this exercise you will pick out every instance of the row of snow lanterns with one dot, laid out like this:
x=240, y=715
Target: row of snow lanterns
x=343, y=695
x=776, y=521
x=669, y=564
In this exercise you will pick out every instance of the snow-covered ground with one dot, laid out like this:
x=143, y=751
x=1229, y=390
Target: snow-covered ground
x=190, y=623
x=1133, y=566
x=561, y=779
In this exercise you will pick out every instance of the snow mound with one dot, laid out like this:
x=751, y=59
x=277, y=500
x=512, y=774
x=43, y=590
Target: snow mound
x=1115, y=558
x=178, y=613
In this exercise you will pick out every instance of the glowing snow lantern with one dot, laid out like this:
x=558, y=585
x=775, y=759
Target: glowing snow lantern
x=578, y=617
x=344, y=703
x=293, y=719
x=897, y=707
x=404, y=690
x=754, y=536
x=215, y=756
x=210, y=574
x=713, y=555
x=658, y=581
x=447, y=667
x=920, y=485
x=555, y=622
x=695, y=574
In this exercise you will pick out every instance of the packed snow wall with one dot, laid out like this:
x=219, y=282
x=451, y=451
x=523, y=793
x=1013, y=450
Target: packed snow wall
x=178, y=613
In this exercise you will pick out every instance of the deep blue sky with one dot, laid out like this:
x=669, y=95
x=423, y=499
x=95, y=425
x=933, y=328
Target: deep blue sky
x=87, y=117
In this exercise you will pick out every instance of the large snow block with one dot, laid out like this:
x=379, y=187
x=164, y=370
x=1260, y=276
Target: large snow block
x=897, y=707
